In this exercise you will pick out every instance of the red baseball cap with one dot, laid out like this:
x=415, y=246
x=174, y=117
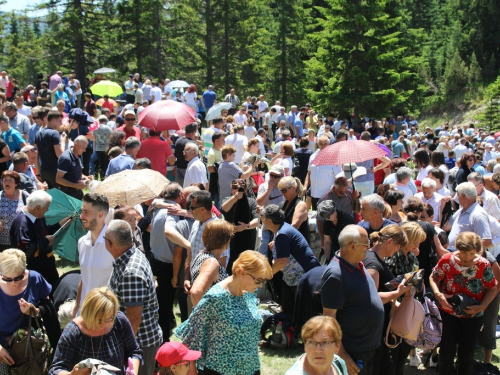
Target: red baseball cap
x=172, y=352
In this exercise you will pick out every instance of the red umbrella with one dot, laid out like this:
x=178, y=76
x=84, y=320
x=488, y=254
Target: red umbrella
x=166, y=115
x=344, y=152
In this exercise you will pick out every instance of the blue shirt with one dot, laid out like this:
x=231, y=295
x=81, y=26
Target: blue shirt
x=32, y=133
x=13, y=139
x=71, y=165
x=209, y=97
x=366, y=226
x=298, y=122
x=120, y=163
x=450, y=162
x=10, y=314
x=397, y=148
x=289, y=241
x=392, y=179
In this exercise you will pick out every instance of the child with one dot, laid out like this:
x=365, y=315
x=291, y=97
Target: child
x=174, y=358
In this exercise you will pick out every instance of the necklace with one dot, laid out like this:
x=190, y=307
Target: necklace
x=92, y=344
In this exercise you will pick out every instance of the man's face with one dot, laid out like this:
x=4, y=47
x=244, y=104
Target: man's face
x=79, y=148
x=361, y=247
x=89, y=216
x=11, y=113
x=232, y=91
x=32, y=154
x=196, y=210
x=261, y=98
x=219, y=143
x=428, y=191
x=367, y=212
x=19, y=100
x=323, y=144
x=189, y=153
x=340, y=191
x=4, y=74
x=40, y=211
x=129, y=120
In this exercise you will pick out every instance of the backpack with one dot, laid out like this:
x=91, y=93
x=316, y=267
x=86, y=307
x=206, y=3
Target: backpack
x=275, y=336
x=430, y=336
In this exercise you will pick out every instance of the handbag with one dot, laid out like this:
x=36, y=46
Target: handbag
x=406, y=321
x=29, y=349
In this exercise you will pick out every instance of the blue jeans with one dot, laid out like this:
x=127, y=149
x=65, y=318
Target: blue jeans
x=264, y=242
x=93, y=159
x=217, y=200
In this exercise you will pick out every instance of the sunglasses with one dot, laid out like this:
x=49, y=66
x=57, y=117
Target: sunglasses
x=192, y=208
x=274, y=176
x=258, y=281
x=15, y=279
x=129, y=119
x=283, y=191
x=35, y=118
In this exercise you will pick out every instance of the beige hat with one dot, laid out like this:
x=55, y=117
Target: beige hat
x=351, y=170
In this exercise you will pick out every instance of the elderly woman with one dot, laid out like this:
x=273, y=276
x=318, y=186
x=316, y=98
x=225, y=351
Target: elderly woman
x=229, y=171
x=463, y=274
x=335, y=221
x=12, y=201
x=240, y=210
x=321, y=336
x=207, y=270
x=225, y=325
x=21, y=290
x=294, y=207
x=387, y=242
x=284, y=158
x=394, y=198
x=100, y=332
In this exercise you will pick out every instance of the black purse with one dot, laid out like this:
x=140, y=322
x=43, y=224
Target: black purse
x=29, y=349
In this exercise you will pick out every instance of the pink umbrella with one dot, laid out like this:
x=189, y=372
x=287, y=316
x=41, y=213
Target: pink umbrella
x=348, y=152
x=166, y=115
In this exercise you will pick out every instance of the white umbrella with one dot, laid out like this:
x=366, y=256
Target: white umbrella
x=178, y=84
x=104, y=70
x=216, y=110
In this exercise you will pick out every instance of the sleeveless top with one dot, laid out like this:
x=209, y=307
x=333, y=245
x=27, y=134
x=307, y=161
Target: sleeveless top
x=198, y=262
x=289, y=211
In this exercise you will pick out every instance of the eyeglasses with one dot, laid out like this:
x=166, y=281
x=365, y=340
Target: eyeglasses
x=109, y=320
x=192, y=208
x=258, y=281
x=274, y=176
x=35, y=118
x=129, y=119
x=15, y=279
x=187, y=151
x=367, y=245
x=322, y=344
x=283, y=191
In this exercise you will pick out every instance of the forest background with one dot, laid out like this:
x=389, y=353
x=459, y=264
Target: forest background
x=363, y=57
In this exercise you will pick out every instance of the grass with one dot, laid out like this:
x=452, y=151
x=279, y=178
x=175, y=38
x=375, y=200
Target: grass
x=277, y=362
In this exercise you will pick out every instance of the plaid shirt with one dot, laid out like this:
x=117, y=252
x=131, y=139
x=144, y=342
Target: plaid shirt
x=133, y=283
x=233, y=99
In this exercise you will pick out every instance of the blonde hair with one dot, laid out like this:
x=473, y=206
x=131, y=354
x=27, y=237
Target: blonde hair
x=468, y=241
x=98, y=304
x=318, y=323
x=414, y=232
x=252, y=142
x=252, y=262
x=289, y=148
x=12, y=261
x=288, y=182
x=394, y=232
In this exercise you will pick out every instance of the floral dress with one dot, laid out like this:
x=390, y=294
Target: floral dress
x=457, y=279
x=226, y=329
x=9, y=208
x=399, y=264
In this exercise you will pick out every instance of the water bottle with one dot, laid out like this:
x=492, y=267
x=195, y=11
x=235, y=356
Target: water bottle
x=277, y=336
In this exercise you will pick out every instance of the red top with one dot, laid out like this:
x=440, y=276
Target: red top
x=456, y=279
x=157, y=151
x=107, y=104
x=135, y=132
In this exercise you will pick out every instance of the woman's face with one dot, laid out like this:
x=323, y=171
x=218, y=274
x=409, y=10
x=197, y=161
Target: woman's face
x=470, y=161
x=288, y=192
x=412, y=247
x=399, y=205
x=320, y=350
x=13, y=279
x=333, y=216
x=105, y=324
x=231, y=157
x=250, y=283
x=466, y=257
x=9, y=184
x=392, y=246
x=254, y=148
x=424, y=216
x=131, y=218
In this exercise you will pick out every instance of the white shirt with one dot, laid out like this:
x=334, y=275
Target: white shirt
x=156, y=93
x=25, y=110
x=491, y=204
x=262, y=149
x=460, y=150
x=445, y=192
x=190, y=97
x=239, y=142
x=263, y=105
x=424, y=172
x=435, y=202
x=240, y=119
x=96, y=263
x=405, y=190
x=321, y=177
x=195, y=172
x=250, y=132
x=3, y=82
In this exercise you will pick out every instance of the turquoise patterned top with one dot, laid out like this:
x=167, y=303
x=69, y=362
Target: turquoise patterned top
x=226, y=329
x=298, y=367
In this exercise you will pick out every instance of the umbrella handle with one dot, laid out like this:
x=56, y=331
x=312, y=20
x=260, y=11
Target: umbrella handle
x=352, y=178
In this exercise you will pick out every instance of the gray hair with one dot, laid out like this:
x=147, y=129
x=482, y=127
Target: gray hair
x=428, y=183
x=375, y=201
x=349, y=235
x=402, y=173
x=60, y=86
x=132, y=142
x=81, y=139
x=476, y=177
x=491, y=163
x=467, y=189
x=4, y=118
x=172, y=191
x=496, y=168
x=38, y=198
x=193, y=146
x=142, y=163
x=65, y=311
x=121, y=232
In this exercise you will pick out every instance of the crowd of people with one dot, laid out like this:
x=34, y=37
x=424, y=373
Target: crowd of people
x=235, y=221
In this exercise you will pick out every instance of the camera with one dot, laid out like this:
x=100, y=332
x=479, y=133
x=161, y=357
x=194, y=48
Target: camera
x=241, y=190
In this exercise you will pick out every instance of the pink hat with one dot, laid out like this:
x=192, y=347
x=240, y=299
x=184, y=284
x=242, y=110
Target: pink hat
x=172, y=352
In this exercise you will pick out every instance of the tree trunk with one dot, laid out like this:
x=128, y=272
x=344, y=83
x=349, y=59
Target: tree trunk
x=80, y=63
x=159, y=60
x=226, y=46
x=209, y=23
